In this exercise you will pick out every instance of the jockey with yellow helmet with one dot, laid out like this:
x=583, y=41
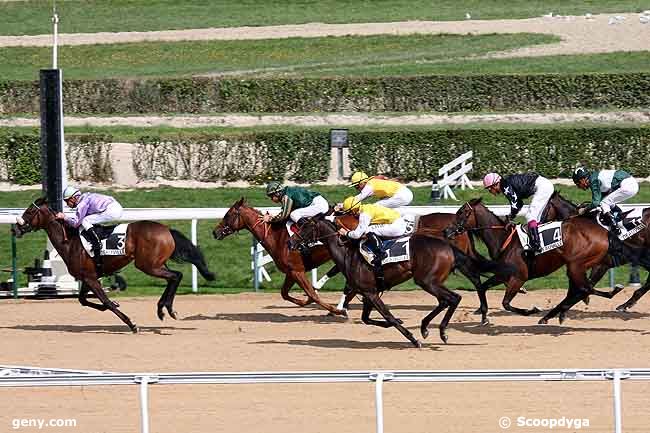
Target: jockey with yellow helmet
x=392, y=194
x=374, y=220
x=516, y=188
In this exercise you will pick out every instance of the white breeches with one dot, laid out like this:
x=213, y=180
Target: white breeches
x=318, y=205
x=112, y=212
x=403, y=197
x=396, y=228
x=543, y=192
x=629, y=187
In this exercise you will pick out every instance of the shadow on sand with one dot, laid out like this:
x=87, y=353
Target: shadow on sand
x=98, y=329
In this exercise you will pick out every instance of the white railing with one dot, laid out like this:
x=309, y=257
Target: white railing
x=8, y=216
x=379, y=377
x=458, y=176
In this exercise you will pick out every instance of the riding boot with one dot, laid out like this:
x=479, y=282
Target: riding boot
x=608, y=219
x=92, y=237
x=375, y=246
x=533, y=232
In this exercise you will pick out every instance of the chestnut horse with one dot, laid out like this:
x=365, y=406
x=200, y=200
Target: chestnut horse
x=148, y=243
x=431, y=261
x=586, y=245
x=275, y=239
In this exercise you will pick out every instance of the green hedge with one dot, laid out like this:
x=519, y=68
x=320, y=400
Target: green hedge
x=393, y=94
x=301, y=156
x=304, y=156
x=417, y=155
x=88, y=157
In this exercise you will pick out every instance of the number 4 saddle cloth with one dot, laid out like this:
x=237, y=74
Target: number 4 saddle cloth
x=113, y=240
x=550, y=236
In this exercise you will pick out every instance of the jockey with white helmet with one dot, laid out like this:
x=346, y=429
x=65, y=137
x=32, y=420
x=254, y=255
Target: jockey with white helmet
x=91, y=208
x=516, y=188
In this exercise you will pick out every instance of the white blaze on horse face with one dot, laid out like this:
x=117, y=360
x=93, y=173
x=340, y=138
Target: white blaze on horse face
x=20, y=221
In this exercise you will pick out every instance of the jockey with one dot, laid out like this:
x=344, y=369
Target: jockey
x=92, y=208
x=297, y=203
x=374, y=220
x=608, y=188
x=392, y=193
x=516, y=188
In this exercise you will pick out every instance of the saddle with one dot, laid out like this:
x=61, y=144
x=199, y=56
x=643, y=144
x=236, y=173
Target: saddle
x=632, y=222
x=550, y=236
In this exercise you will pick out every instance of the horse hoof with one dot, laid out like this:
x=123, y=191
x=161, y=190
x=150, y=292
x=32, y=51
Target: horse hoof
x=173, y=314
x=543, y=321
x=443, y=337
x=561, y=318
x=424, y=332
x=135, y=329
x=417, y=344
x=485, y=322
x=161, y=314
x=622, y=308
x=523, y=290
x=586, y=300
x=535, y=310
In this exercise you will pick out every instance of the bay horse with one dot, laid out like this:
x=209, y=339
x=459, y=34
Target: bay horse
x=431, y=261
x=149, y=244
x=586, y=245
x=275, y=239
x=562, y=209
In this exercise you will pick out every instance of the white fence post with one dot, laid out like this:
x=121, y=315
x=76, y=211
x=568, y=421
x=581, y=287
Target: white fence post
x=144, y=400
x=195, y=277
x=379, y=379
x=459, y=176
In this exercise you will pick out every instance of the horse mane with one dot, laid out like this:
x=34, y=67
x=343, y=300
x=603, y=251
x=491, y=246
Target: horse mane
x=40, y=201
x=476, y=201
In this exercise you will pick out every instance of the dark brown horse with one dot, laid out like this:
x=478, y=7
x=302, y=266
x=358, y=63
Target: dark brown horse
x=148, y=243
x=562, y=209
x=586, y=245
x=431, y=261
x=275, y=239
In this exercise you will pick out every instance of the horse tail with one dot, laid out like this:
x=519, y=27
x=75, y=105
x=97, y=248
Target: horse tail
x=186, y=252
x=482, y=264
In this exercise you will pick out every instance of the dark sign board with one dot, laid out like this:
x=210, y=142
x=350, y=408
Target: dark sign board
x=339, y=138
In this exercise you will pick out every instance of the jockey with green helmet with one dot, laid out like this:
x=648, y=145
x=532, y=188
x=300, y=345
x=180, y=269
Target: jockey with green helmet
x=608, y=188
x=391, y=193
x=296, y=202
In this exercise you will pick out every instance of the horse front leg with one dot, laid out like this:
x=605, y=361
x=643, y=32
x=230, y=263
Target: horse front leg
x=635, y=296
x=284, y=292
x=513, y=287
x=303, y=282
x=97, y=289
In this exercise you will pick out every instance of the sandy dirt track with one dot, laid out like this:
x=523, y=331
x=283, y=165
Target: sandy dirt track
x=579, y=35
x=251, y=332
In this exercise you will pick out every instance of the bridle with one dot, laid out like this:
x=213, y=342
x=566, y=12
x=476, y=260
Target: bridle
x=459, y=226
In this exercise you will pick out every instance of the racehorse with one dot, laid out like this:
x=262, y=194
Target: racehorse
x=562, y=209
x=431, y=260
x=585, y=245
x=148, y=243
x=275, y=239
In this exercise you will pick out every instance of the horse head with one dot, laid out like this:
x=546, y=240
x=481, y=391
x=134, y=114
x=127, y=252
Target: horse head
x=232, y=221
x=465, y=218
x=35, y=217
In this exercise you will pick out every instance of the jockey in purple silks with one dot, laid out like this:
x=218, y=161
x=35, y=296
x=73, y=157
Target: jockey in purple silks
x=92, y=208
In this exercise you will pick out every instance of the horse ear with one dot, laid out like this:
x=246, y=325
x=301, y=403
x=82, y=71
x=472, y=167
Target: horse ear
x=240, y=202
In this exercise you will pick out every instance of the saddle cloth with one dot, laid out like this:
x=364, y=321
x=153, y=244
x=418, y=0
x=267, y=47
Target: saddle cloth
x=631, y=221
x=396, y=249
x=550, y=236
x=112, y=239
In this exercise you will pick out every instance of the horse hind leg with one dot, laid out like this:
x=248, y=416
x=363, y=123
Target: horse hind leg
x=173, y=279
x=638, y=293
x=446, y=300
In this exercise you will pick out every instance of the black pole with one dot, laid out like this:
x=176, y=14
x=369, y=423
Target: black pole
x=52, y=158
